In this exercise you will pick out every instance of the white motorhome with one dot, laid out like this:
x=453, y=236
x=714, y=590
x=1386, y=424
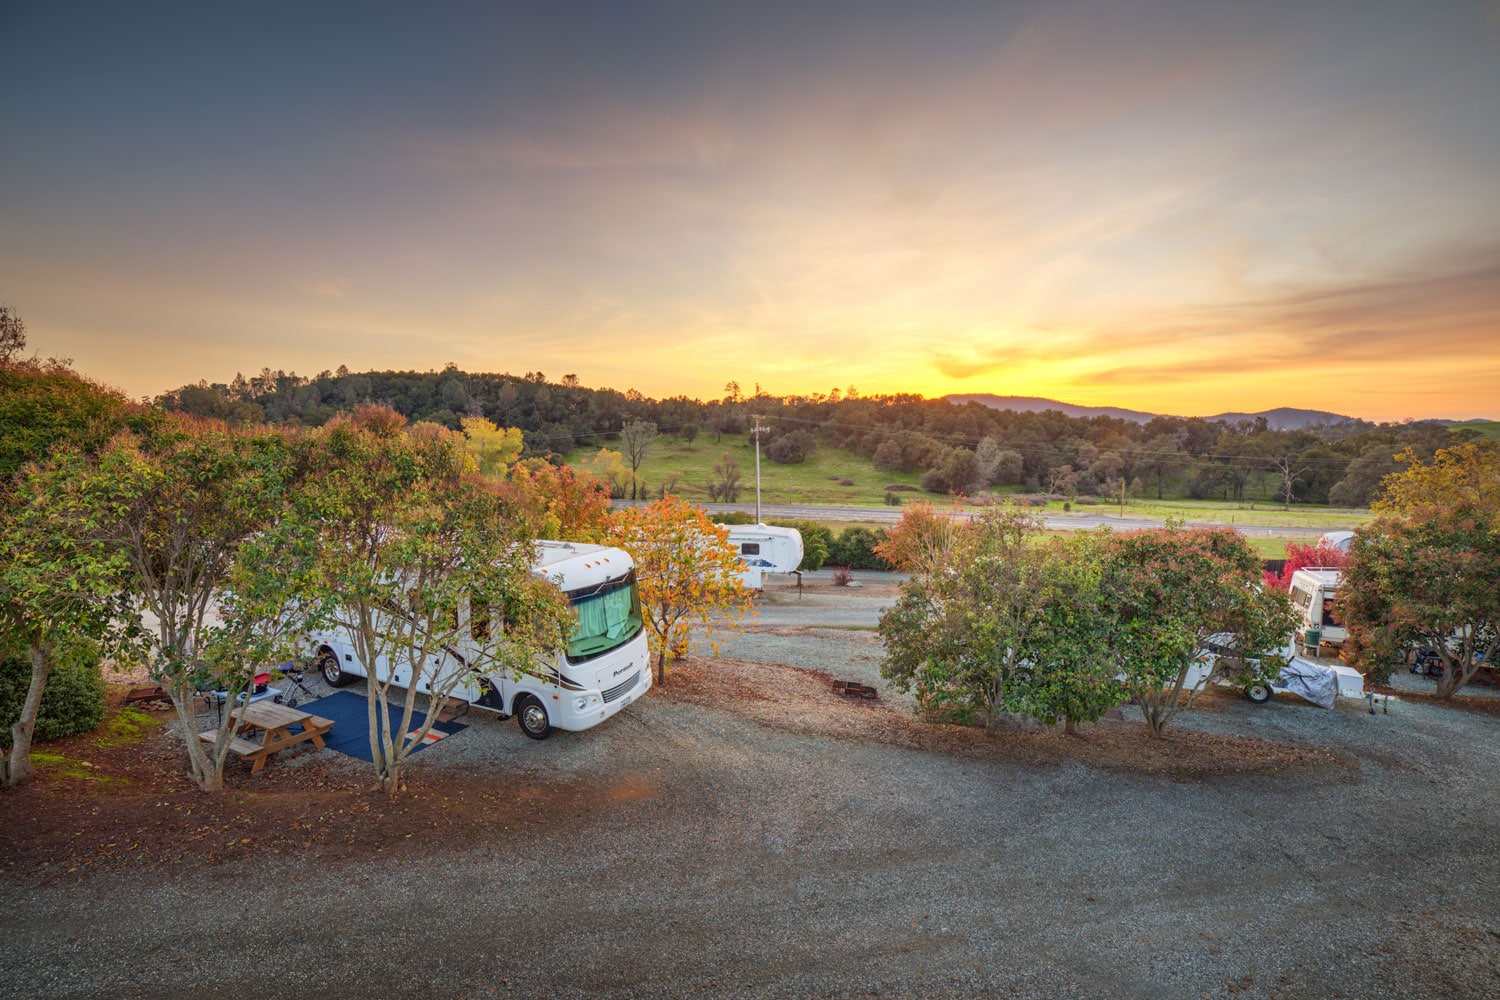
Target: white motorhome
x=1313, y=591
x=763, y=549
x=605, y=667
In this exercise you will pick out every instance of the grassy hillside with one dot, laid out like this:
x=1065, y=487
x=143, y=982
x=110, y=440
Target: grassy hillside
x=1490, y=429
x=819, y=480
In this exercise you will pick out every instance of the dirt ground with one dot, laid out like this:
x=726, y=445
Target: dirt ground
x=745, y=831
x=101, y=801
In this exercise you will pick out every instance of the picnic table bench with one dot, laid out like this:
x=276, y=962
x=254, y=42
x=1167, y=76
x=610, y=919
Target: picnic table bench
x=275, y=723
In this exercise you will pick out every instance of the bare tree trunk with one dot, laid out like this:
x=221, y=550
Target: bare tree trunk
x=1452, y=681
x=18, y=765
x=1070, y=725
x=207, y=774
x=661, y=667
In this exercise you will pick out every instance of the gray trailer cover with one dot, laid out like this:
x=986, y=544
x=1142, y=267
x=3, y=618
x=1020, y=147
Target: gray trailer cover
x=1318, y=685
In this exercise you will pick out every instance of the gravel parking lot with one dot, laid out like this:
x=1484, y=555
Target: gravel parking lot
x=697, y=846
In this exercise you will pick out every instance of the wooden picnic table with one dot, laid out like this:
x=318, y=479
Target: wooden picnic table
x=275, y=723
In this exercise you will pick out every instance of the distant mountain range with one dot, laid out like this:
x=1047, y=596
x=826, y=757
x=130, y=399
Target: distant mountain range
x=1281, y=418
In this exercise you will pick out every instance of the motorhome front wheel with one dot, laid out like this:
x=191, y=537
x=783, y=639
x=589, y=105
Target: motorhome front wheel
x=532, y=717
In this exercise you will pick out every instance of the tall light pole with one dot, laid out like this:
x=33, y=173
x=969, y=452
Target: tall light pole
x=756, y=431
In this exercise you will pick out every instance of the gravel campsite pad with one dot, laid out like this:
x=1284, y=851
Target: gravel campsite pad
x=745, y=831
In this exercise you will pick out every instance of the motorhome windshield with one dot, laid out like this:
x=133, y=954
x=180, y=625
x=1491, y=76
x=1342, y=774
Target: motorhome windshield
x=609, y=616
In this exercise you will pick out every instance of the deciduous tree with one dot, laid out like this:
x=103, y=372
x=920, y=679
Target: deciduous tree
x=688, y=573
x=1466, y=474
x=53, y=579
x=176, y=508
x=494, y=448
x=558, y=501
x=43, y=404
x=1161, y=457
x=1299, y=556
x=1430, y=578
x=725, y=486
x=638, y=438
x=922, y=539
x=12, y=334
x=995, y=622
x=410, y=550
x=609, y=467
x=57, y=584
x=1172, y=596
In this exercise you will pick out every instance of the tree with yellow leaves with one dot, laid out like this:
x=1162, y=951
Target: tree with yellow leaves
x=687, y=571
x=609, y=467
x=1467, y=473
x=494, y=448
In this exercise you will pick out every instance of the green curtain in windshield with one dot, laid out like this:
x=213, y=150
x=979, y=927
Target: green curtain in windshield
x=604, y=621
x=592, y=619
x=617, y=612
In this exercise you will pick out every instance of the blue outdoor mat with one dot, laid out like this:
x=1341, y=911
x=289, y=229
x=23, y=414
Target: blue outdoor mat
x=351, y=723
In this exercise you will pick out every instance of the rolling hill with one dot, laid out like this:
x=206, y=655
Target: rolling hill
x=1281, y=418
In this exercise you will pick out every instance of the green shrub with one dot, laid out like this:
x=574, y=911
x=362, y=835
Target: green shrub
x=892, y=500
x=855, y=548
x=733, y=517
x=73, y=702
x=792, y=448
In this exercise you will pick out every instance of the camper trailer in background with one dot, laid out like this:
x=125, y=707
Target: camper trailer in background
x=1336, y=540
x=763, y=549
x=1313, y=592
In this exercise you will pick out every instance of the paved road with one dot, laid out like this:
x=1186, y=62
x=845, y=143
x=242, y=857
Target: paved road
x=1053, y=522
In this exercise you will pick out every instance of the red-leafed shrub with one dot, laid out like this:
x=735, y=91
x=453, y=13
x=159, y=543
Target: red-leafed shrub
x=1303, y=556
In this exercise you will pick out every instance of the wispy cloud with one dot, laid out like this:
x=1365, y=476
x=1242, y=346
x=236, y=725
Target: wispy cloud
x=1443, y=309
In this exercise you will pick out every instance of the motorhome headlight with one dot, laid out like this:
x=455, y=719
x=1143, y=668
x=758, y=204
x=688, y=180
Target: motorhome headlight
x=585, y=701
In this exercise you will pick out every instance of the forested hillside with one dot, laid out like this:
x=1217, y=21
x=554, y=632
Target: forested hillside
x=956, y=447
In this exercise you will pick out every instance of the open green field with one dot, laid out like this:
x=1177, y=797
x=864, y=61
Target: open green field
x=1490, y=429
x=819, y=480
x=815, y=481
x=1255, y=513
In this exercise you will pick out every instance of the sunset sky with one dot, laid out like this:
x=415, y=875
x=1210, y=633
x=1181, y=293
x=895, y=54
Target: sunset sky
x=1184, y=207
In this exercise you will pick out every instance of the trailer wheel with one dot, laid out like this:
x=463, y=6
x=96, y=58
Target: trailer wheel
x=531, y=716
x=333, y=673
x=1258, y=693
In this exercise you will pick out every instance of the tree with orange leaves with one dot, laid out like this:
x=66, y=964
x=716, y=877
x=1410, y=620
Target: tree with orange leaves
x=921, y=538
x=687, y=571
x=558, y=501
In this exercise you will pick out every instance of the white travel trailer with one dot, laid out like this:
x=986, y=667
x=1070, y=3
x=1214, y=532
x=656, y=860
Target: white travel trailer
x=605, y=667
x=1313, y=591
x=763, y=549
x=1340, y=540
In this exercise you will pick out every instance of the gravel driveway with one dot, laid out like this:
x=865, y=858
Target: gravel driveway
x=720, y=856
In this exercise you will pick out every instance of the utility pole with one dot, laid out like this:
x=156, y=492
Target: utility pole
x=757, y=431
